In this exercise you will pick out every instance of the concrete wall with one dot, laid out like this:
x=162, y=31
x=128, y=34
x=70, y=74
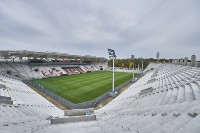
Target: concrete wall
x=78, y=112
x=193, y=60
x=197, y=64
x=185, y=61
x=188, y=63
x=146, y=91
x=176, y=62
x=75, y=115
x=5, y=98
x=181, y=61
x=67, y=119
x=6, y=101
x=2, y=86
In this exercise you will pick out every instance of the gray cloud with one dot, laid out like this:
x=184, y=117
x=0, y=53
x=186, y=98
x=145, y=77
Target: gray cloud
x=90, y=27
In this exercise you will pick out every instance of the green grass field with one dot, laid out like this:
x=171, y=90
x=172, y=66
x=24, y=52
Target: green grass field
x=83, y=87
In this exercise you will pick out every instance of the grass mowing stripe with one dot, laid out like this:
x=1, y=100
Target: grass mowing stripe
x=83, y=87
x=95, y=92
x=84, y=84
x=73, y=79
x=96, y=85
x=99, y=84
x=93, y=83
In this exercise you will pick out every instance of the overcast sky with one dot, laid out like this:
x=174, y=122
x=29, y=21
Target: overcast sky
x=89, y=27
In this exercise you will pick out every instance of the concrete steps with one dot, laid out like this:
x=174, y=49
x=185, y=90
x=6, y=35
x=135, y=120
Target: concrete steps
x=191, y=127
x=173, y=97
x=174, y=125
x=181, y=94
x=76, y=115
x=196, y=90
x=70, y=119
x=153, y=122
x=189, y=95
x=167, y=97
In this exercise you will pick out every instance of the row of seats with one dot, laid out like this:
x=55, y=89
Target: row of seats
x=30, y=112
x=70, y=71
x=37, y=72
x=171, y=105
x=166, y=99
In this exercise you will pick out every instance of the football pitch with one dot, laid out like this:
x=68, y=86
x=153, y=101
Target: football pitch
x=83, y=87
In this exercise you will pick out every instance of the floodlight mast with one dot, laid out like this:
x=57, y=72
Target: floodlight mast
x=142, y=65
x=132, y=57
x=113, y=81
x=112, y=56
x=157, y=56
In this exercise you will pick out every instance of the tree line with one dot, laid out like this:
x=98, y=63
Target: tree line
x=128, y=63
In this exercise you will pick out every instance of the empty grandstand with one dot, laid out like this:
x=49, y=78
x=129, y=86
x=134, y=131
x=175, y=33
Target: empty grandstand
x=99, y=66
x=164, y=100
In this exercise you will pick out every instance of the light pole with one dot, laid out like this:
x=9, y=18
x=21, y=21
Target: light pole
x=132, y=57
x=112, y=56
x=157, y=56
x=142, y=65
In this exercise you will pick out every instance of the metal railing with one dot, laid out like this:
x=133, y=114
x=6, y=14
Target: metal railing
x=66, y=102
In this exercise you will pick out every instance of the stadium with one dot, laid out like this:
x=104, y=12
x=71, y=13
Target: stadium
x=167, y=95
x=99, y=66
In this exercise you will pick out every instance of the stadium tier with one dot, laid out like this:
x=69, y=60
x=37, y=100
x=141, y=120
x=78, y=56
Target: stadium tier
x=25, y=71
x=165, y=100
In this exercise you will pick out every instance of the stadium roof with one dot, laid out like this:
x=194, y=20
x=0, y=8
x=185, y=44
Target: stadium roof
x=47, y=54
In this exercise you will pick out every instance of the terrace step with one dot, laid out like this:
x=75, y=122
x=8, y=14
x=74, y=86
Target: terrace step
x=70, y=119
x=76, y=115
